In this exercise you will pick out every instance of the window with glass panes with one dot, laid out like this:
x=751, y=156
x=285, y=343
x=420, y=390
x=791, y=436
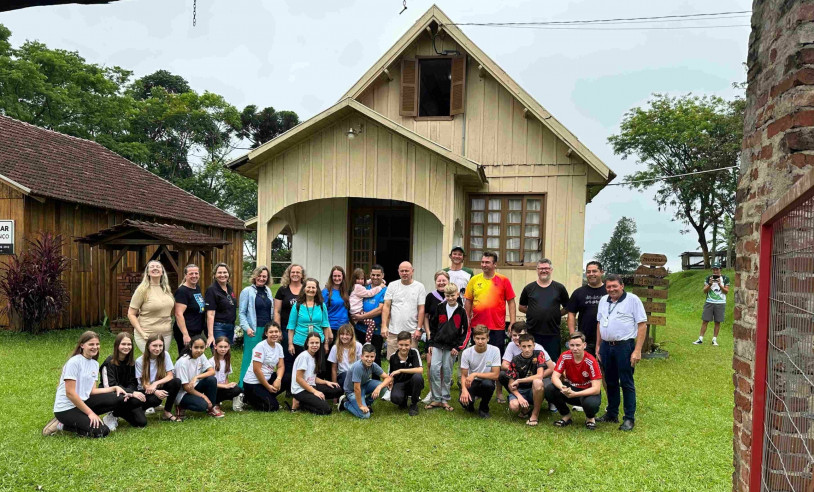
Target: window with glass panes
x=510, y=225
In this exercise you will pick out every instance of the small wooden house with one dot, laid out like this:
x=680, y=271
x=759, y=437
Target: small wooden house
x=435, y=146
x=113, y=215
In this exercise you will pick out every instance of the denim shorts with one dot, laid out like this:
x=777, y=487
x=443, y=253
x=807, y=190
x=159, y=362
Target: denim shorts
x=525, y=393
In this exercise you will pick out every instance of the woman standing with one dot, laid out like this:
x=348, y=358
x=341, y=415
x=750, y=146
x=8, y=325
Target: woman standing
x=312, y=393
x=189, y=310
x=221, y=307
x=290, y=288
x=119, y=369
x=150, y=310
x=308, y=315
x=255, y=314
x=79, y=402
x=337, y=301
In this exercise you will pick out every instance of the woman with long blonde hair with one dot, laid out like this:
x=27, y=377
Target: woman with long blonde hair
x=151, y=306
x=255, y=313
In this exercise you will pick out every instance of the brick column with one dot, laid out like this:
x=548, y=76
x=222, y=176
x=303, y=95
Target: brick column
x=778, y=148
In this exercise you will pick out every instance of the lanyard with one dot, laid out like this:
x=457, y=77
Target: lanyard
x=614, y=305
x=310, y=313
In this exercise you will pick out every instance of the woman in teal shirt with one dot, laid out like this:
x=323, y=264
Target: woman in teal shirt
x=308, y=315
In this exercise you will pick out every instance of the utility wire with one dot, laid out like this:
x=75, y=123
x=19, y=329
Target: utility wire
x=662, y=178
x=591, y=21
x=585, y=28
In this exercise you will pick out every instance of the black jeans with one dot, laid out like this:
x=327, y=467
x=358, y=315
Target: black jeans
x=618, y=373
x=411, y=388
x=498, y=339
x=377, y=341
x=260, y=398
x=75, y=420
x=179, y=338
x=483, y=388
x=171, y=387
x=590, y=404
x=312, y=403
x=551, y=343
x=224, y=394
x=209, y=387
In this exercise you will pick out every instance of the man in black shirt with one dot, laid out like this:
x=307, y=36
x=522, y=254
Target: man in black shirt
x=544, y=302
x=584, y=301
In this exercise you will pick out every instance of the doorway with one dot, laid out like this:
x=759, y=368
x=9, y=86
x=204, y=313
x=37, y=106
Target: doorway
x=380, y=232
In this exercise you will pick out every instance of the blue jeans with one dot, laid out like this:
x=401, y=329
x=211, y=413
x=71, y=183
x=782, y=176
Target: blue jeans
x=617, y=370
x=207, y=386
x=224, y=330
x=367, y=393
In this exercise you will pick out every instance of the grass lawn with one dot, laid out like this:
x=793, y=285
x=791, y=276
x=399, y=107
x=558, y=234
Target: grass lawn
x=682, y=439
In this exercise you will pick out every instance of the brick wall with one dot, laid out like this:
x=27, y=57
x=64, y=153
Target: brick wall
x=778, y=148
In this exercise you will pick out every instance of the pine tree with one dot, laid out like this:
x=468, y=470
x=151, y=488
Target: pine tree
x=620, y=254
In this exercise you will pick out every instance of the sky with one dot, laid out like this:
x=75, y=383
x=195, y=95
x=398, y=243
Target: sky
x=302, y=55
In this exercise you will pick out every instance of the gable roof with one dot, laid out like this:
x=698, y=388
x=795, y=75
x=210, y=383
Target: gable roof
x=334, y=113
x=434, y=14
x=47, y=164
x=164, y=233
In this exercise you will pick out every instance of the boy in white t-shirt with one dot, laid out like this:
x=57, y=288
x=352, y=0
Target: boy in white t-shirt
x=480, y=370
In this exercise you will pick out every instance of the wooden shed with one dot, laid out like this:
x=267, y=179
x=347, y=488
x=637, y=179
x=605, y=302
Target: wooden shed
x=77, y=188
x=435, y=146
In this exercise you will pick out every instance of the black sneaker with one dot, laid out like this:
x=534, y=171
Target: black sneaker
x=483, y=414
x=627, y=425
x=607, y=419
x=413, y=410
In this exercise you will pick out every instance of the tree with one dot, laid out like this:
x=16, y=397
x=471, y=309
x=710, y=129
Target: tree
x=681, y=135
x=260, y=127
x=620, y=254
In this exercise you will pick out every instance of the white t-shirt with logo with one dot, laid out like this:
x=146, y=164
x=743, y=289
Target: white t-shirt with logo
x=268, y=357
x=405, y=300
x=480, y=362
x=167, y=367
x=303, y=362
x=187, y=368
x=344, y=366
x=82, y=370
x=512, y=349
x=221, y=372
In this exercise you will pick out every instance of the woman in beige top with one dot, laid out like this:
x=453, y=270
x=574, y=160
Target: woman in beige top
x=151, y=306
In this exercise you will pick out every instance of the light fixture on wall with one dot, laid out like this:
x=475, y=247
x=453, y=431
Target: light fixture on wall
x=352, y=132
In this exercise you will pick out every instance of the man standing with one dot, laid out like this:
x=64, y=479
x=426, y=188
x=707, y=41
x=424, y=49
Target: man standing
x=488, y=294
x=458, y=273
x=544, y=302
x=621, y=328
x=403, y=307
x=584, y=301
x=716, y=288
x=372, y=309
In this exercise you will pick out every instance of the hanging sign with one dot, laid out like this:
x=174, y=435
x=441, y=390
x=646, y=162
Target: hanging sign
x=6, y=237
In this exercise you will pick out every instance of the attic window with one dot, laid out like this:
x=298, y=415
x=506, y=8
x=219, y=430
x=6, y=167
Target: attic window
x=435, y=76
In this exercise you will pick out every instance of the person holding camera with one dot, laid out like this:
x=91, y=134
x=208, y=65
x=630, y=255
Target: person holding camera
x=716, y=288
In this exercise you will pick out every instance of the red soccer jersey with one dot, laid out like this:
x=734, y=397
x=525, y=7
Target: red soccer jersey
x=579, y=375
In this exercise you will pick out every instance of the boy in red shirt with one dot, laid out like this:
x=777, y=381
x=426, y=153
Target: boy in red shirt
x=576, y=380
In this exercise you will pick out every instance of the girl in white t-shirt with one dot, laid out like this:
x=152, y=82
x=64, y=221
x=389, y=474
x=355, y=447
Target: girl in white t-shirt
x=198, y=384
x=156, y=377
x=221, y=360
x=344, y=353
x=310, y=392
x=264, y=378
x=78, y=401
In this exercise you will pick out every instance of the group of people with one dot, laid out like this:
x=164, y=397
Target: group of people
x=323, y=346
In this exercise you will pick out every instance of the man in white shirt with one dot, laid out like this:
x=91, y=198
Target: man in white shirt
x=403, y=307
x=620, y=330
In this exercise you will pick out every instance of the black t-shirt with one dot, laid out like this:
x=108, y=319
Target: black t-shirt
x=223, y=303
x=413, y=360
x=543, y=314
x=288, y=299
x=521, y=368
x=194, y=313
x=585, y=302
x=262, y=307
x=430, y=304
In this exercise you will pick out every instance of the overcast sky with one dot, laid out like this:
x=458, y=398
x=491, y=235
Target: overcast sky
x=302, y=55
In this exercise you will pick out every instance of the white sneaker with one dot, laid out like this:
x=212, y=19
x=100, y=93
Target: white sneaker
x=714, y=342
x=149, y=411
x=340, y=405
x=427, y=399
x=386, y=396
x=237, y=403
x=698, y=342
x=552, y=407
x=111, y=421
x=577, y=408
x=52, y=427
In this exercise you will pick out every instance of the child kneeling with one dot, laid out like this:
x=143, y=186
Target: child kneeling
x=199, y=388
x=360, y=387
x=527, y=373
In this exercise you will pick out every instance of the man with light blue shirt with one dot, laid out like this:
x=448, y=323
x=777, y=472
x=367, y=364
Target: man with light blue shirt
x=621, y=327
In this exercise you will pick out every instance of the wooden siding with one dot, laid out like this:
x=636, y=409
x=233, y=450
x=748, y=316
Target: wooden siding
x=497, y=131
x=427, y=245
x=89, y=279
x=320, y=240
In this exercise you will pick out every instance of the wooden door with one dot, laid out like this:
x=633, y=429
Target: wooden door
x=361, y=248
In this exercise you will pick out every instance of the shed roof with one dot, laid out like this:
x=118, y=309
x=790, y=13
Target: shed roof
x=48, y=164
x=160, y=233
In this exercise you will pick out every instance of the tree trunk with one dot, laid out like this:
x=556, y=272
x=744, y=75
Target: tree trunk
x=714, y=241
x=702, y=241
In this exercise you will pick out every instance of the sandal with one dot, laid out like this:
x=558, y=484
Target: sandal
x=563, y=423
x=590, y=425
x=288, y=406
x=171, y=418
x=448, y=408
x=532, y=422
x=501, y=399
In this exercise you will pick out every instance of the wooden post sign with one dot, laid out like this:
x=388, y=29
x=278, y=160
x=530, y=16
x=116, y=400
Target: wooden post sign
x=650, y=275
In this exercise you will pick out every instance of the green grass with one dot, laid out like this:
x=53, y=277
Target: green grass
x=682, y=440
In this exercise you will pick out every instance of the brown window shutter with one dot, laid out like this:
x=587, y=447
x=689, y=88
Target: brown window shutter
x=409, y=88
x=458, y=94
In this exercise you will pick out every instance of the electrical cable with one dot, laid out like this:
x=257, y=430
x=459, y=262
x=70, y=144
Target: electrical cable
x=662, y=178
x=591, y=21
